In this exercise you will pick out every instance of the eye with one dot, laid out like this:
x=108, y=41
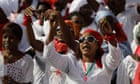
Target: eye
x=81, y=39
x=90, y=39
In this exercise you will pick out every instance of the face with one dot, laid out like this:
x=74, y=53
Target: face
x=88, y=45
x=86, y=10
x=117, y=6
x=105, y=27
x=77, y=20
x=40, y=12
x=9, y=41
x=94, y=4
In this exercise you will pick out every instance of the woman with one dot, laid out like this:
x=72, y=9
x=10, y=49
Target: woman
x=136, y=37
x=128, y=69
x=110, y=27
x=18, y=66
x=90, y=65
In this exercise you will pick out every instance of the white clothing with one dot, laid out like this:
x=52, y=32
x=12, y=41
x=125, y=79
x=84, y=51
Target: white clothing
x=41, y=68
x=132, y=3
x=126, y=70
x=76, y=4
x=46, y=27
x=56, y=76
x=74, y=68
x=1, y=68
x=38, y=31
x=128, y=19
x=136, y=31
x=9, y=6
x=24, y=44
x=21, y=70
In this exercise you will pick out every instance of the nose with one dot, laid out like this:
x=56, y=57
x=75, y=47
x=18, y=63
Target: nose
x=85, y=41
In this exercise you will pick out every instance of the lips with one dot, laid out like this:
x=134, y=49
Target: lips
x=86, y=47
x=5, y=45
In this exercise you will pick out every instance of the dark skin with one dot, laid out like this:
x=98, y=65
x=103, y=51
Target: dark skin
x=67, y=34
x=94, y=4
x=86, y=12
x=3, y=16
x=118, y=6
x=37, y=44
x=11, y=53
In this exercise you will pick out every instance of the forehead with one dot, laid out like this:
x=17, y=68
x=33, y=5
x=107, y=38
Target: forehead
x=86, y=34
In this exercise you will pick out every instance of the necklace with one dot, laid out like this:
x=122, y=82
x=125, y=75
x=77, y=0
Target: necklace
x=87, y=71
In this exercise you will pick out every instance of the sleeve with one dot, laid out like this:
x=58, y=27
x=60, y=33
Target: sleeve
x=112, y=59
x=122, y=76
x=57, y=60
x=29, y=71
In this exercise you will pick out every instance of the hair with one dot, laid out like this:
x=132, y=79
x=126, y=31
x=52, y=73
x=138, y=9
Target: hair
x=114, y=8
x=13, y=28
x=47, y=5
x=3, y=16
x=75, y=13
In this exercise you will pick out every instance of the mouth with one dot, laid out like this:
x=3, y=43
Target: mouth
x=5, y=45
x=86, y=47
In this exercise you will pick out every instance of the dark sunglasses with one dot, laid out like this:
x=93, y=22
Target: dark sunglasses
x=88, y=38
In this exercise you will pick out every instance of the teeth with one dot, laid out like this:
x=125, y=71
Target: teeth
x=5, y=45
x=85, y=46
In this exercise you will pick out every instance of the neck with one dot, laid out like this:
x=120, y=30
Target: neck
x=135, y=57
x=88, y=59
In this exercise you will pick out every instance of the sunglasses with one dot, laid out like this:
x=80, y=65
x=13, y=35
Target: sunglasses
x=88, y=38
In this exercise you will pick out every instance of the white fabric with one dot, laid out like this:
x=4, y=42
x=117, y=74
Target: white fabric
x=39, y=31
x=1, y=68
x=128, y=19
x=73, y=67
x=76, y=4
x=24, y=44
x=46, y=27
x=41, y=68
x=55, y=77
x=130, y=3
x=21, y=70
x=9, y=6
x=136, y=31
x=126, y=70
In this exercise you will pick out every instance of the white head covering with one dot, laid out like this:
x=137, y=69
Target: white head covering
x=76, y=4
x=103, y=13
x=136, y=30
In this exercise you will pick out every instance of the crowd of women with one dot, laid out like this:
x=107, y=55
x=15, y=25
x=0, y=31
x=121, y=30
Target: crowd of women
x=69, y=41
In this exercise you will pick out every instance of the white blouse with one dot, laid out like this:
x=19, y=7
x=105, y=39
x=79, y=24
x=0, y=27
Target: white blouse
x=21, y=70
x=126, y=70
x=74, y=68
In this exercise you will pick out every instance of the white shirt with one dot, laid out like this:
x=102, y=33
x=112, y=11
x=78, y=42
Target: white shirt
x=128, y=19
x=21, y=70
x=74, y=68
x=9, y=6
x=126, y=70
x=41, y=68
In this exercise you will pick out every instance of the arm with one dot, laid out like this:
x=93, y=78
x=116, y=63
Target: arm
x=36, y=44
x=67, y=34
x=113, y=58
x=122, y=74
